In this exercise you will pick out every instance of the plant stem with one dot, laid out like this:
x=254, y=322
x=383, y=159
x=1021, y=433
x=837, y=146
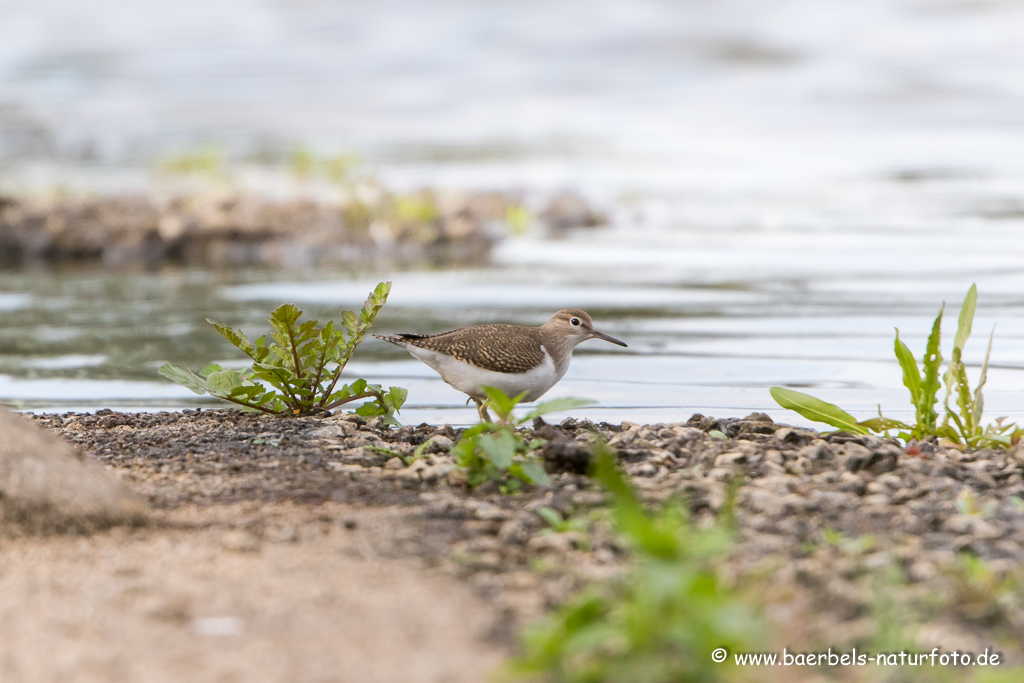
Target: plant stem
x=268, y=411
x=320, y=369
x=286, y=389
x=353, y=398
x=349, y=348
x=295, y=352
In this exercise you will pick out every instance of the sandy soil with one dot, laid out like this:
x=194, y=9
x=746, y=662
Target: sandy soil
x=196, y=597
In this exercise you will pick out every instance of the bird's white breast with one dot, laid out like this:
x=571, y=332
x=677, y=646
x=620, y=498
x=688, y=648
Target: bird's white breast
x=469, y=379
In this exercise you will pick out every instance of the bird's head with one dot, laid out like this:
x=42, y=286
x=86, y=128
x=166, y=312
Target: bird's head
x=575, y=326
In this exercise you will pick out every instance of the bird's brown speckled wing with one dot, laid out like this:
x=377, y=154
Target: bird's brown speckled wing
x=513, y=349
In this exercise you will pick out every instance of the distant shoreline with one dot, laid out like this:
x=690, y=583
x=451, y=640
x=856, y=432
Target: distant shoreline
x=231, y=228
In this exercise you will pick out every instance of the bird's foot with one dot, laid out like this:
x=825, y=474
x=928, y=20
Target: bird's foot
x=481, y=409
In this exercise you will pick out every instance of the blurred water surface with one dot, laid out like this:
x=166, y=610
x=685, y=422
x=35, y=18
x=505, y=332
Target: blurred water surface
x=786, y=183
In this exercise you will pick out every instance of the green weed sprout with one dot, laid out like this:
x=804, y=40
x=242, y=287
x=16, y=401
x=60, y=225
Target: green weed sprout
x=579, y=527
x=660, y=623
x=297, y=371
x=495, y=451
x=961, y=424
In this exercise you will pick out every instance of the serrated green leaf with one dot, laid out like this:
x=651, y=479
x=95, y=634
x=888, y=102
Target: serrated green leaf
x=236, y=338
x=911, y=375
x=285, y=315
x=397, y=397
x=350, y=322
x=817, y=410
x=963, y=397
x=925, y=407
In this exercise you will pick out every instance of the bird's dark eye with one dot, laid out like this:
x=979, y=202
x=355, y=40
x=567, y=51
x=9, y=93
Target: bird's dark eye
x=575, y=321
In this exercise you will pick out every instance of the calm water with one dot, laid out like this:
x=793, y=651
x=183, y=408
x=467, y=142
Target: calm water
x=787, y=183
x=713, y=343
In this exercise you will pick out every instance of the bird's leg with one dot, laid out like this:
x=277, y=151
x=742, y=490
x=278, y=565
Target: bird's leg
x=481, y=409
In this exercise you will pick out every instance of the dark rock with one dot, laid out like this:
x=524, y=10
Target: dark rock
x=566, y=456
x=542, y=430
x=858, y=458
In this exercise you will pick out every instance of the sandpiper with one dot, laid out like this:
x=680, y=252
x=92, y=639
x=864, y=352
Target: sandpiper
x=513, y=358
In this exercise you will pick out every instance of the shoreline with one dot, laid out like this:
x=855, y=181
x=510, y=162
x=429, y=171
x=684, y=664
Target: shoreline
x=229, y=227
x=820, y=518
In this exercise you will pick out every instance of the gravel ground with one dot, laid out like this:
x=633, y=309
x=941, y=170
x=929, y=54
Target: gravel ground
x=828, y=528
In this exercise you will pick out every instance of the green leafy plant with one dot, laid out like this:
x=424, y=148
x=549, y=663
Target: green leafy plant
x=961, y=424
x=297, y=371
x=659, y=624
x=495, y=450
x=557, y=524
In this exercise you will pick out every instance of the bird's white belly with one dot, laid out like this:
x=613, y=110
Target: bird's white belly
x=470, y=379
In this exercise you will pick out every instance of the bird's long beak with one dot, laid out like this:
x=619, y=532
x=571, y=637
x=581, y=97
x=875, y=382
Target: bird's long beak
x=608, y=338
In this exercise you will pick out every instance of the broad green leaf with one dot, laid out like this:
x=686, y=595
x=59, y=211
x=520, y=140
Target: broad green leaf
x=963, y=330
x=817, y=410
x=535, y=473
x=212, y=367
x=630, y=516
x=185, y=378
x=502, y=403
x=371, y=409
x=911, y=375
x=500, y=448
x=224, y=381
x=557, y=405
x=551, y=516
